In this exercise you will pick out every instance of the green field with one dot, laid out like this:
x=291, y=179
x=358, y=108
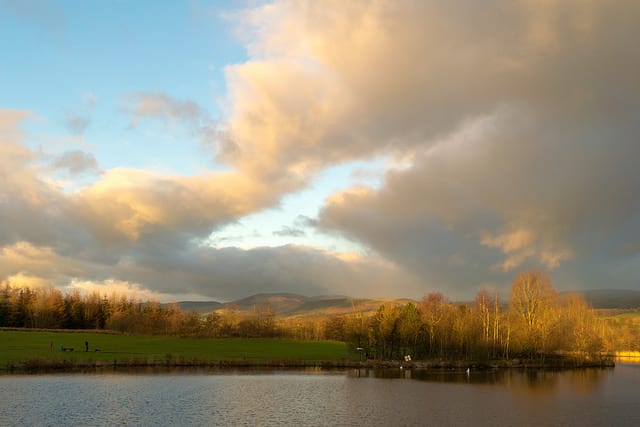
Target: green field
x=619, y=314
x=17, y=347
x=634, y=315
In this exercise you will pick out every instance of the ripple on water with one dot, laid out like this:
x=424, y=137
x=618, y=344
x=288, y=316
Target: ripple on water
x=320, y=398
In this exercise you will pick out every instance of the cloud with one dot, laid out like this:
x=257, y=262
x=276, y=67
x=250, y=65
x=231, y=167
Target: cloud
x=331, y=82
x=161, y=106
x=10, y=128
x=141, y=231
x=132, y=203
x=202, y=272
x=516, y=123
x=112, y=287
x=228, y=273
x=297, y=229
x=76, y=162
x=290, y=232
x=516, y=115
x=77, y=123
x=25, y=201
x=122, y=207
x=26, y=264
x=513, y=191
x=180, y=114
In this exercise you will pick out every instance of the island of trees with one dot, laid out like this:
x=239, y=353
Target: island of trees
x=535, y=323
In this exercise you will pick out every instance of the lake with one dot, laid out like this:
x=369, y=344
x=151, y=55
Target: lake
x=590, y=397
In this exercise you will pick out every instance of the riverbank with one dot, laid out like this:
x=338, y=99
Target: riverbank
x=42, y=351
x=628, y=356
x=84, y=365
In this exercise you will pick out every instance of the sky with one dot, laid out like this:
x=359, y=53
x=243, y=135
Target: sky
x=211, y=150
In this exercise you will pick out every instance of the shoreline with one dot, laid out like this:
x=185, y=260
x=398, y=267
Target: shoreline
x=35, y=366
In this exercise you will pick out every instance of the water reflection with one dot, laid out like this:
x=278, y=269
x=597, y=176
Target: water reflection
x=178, y=370
x=527, y=380
x=318, y=397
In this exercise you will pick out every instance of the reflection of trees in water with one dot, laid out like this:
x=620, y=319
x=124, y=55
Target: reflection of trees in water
x=433, y=375
x=586, y=381
x=534, y=381
x=542, y=381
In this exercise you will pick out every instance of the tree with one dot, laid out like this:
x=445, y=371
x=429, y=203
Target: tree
x=533, y=300
x=483, y=309
x=579, y=326
x=531, y=294
x=5, y=303
x=260, y=323
x=212, y=324
x=334, y=328
x=432, y=311
x=48, y=308
x=385, y=331
x=496, y=321
x=409, y=328
x=230, y=320
x=357, y=329
x=74, y=310
x=105, y=313
x=487, y=308
x=21, y=313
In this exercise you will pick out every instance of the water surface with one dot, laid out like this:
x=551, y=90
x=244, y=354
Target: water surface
x=325, y=398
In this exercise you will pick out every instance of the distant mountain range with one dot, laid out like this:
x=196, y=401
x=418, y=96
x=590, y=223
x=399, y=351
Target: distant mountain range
x=612, y=298
x=293, y=304
x=286, y=304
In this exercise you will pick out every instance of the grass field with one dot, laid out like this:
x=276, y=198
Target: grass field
x=634, y=315
x=616, y=313
x=17, y=347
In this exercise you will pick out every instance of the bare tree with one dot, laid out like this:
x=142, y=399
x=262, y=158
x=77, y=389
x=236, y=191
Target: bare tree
x=432, y=310
x=533, y=300
x=531, y=293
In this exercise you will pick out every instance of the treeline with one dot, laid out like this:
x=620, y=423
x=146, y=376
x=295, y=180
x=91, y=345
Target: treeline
x=49, y=308
x=534, y=322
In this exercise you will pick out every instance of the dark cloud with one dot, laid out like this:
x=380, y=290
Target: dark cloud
x=519, y=191
x=228, y=273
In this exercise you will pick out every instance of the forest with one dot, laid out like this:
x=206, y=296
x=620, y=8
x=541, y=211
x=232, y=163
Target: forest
x=535, y=322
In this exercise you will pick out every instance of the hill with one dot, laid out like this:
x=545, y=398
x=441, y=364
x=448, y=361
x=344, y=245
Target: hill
x=612, y=298
x=287, y=304
x=281, y=303
x=201, y=307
